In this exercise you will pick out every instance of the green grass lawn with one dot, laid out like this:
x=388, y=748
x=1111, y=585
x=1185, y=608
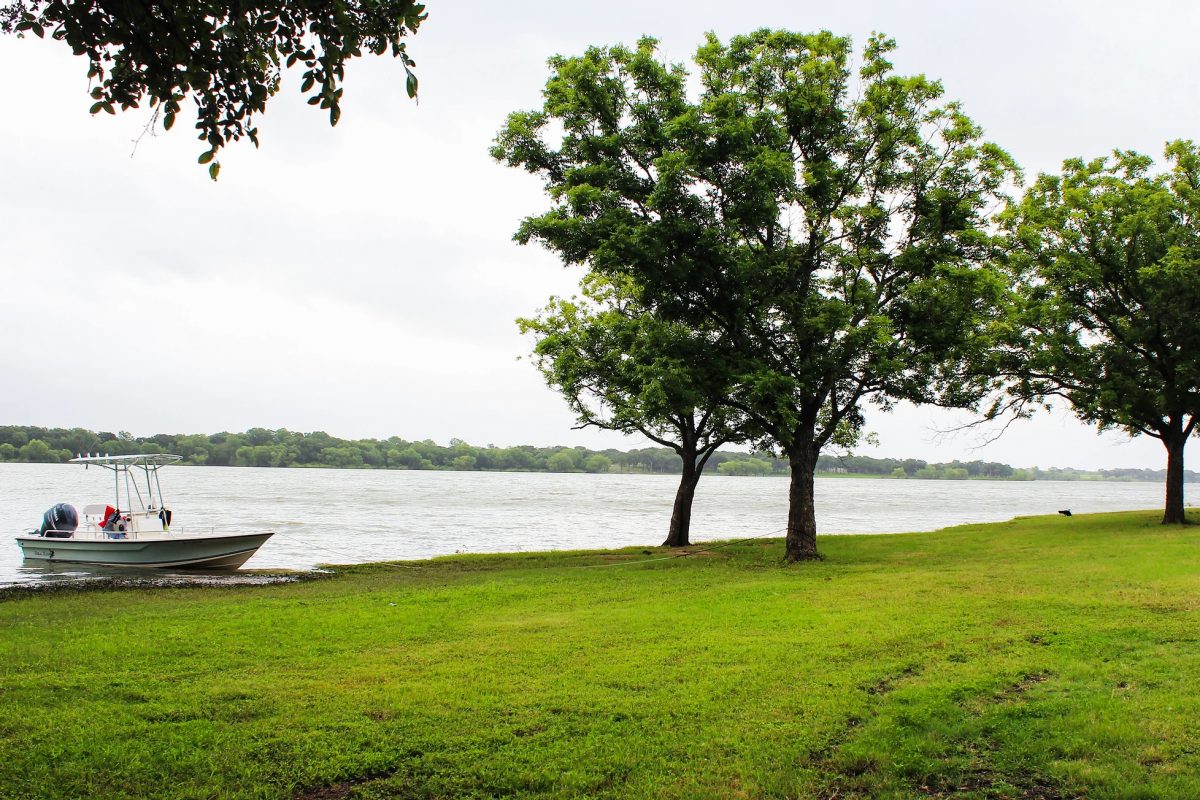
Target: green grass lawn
x=1039, y=658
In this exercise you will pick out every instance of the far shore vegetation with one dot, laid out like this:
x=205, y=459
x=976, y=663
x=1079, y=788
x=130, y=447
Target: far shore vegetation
x=1044, y=657
x=260, y=447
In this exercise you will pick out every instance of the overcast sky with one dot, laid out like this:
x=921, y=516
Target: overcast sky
x=362, y=280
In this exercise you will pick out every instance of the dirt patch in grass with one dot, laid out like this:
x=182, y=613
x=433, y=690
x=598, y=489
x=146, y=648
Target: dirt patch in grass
x=341, y=789
x=984, y=783
x=1020, y=688
x=887, y=683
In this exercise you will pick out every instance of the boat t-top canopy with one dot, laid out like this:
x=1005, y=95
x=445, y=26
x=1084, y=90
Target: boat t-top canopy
x=139, y=460
x=147, y=463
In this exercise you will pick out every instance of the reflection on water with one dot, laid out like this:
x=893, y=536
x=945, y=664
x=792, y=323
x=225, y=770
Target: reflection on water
x=48, y=572
x=347, y=516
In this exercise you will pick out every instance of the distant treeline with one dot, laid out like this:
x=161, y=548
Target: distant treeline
x=259, y=447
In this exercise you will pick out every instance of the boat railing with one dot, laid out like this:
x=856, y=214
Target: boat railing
x=89, y=531
x=53, y=534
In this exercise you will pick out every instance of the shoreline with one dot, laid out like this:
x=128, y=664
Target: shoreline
x=139, y=579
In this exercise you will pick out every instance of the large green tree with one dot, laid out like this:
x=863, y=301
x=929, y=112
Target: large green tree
x=621, y=367
x=225, y=58
x=1109, y=257
x=833, y=224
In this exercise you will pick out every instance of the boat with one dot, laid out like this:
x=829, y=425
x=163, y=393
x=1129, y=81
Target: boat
x=136, y=529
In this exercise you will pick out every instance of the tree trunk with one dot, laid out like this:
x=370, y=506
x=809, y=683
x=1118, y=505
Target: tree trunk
x=801, y=544
x=681, y=514
x=1173, y=513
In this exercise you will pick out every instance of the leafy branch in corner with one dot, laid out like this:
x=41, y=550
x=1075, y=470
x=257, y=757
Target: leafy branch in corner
x=225, y=58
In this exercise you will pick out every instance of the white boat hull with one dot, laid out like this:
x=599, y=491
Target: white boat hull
x=218, y=551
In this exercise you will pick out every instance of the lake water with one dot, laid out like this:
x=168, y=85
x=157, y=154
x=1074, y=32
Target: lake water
x=347, y=516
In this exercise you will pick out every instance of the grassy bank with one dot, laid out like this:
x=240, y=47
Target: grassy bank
x=1045, y=657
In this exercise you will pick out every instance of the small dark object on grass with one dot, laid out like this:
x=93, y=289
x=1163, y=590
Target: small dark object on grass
x=1066, y=512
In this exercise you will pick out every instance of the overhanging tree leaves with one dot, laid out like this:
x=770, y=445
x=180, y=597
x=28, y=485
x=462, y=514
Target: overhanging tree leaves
x=834, y=228
x=224, y=57
x=1109, y=254
x=622, y=368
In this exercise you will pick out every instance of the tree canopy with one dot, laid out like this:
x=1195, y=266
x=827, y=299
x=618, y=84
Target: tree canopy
x=224, y=58
x=622, y=367
x=1109, y=258
x=833, y=224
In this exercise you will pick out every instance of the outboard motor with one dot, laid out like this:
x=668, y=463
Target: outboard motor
x=59, y=522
